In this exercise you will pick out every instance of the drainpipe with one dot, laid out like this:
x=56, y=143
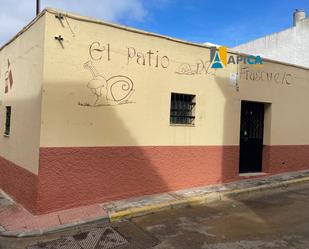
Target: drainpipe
x=38, y=3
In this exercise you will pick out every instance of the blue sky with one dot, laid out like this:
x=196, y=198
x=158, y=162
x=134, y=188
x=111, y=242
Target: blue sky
x=222, y=22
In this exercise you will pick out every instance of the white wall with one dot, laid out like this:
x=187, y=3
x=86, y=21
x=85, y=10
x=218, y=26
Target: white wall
x=290, y=45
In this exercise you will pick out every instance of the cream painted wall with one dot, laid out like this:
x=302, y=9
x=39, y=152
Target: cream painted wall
x=25, y=54
x=285, y=119
x=145, y=121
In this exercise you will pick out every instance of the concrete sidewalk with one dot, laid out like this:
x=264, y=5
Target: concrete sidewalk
x=16, y=221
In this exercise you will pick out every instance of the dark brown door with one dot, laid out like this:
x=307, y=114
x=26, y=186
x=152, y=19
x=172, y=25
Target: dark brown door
x=251, y=137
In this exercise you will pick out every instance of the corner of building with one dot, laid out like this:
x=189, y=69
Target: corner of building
x=21, y=64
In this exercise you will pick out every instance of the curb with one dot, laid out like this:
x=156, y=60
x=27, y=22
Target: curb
x=202, y=199
x=181, y=202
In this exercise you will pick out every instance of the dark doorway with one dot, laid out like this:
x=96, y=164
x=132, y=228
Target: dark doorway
x=251, y=137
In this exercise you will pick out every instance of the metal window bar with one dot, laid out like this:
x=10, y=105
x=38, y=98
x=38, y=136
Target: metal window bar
x=182, y=108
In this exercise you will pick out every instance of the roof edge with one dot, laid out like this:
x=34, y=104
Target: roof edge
x=143, y=32
x=24, y=29
x=118, y=26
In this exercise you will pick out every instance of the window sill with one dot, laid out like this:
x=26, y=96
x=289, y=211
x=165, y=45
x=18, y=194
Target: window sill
x=183, y=125
x=6, y=135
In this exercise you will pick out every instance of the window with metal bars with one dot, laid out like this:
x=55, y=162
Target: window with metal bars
x=8, y=121
x=182, y=109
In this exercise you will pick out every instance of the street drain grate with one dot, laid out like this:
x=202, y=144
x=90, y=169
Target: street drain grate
x=101, y=238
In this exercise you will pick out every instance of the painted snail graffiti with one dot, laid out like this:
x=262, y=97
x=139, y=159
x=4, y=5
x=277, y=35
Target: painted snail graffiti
x=115, y=90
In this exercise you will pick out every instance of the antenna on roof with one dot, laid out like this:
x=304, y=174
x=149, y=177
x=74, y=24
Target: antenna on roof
x=38, y=3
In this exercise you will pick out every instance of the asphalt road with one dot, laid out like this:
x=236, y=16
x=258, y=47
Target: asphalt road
x=278, y=219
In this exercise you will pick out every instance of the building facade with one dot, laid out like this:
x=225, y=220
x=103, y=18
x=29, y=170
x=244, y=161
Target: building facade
x=93, y=112
x=290, y=45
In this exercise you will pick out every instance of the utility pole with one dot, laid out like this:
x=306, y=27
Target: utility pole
x=38, y=6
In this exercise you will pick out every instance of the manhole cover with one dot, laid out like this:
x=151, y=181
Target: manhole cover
x=102, y=238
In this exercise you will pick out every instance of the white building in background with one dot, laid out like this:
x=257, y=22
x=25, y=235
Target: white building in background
x=290, y=45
